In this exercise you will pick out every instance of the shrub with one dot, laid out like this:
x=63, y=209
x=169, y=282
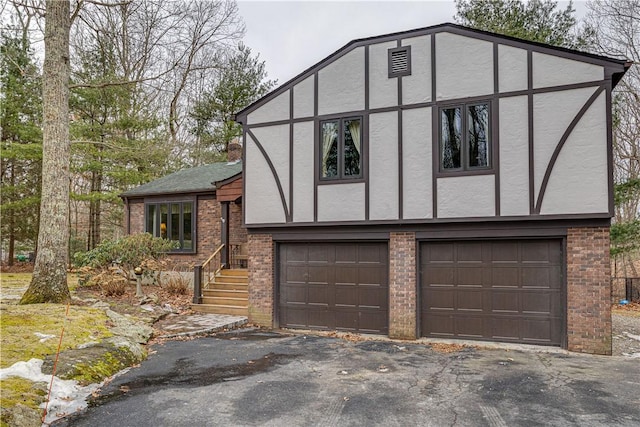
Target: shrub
x=129, y=252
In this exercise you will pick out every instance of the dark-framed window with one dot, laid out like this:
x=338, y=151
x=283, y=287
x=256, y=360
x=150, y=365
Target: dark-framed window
x=173, y=221
x=341, y=148
x=465, y=137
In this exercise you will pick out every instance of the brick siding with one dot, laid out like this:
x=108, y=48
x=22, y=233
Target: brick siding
x=261, y=286
x=208, y=229
x=588, y=290
x=402, y=286
x=237, y=233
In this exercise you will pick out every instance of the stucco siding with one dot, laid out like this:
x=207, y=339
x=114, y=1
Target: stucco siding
x=303, y=98
x=464, y=66
x=577, y=183
x=514, y=156
x=383, y=166
x=417, y=200
x=303, y=171
x=512, y=68
x=466, y=196
x=416, y=87
x=552, y=114
x=383, y=91
x=262, y=199
x=341, y=84
x=341, y=202
x=275, y=141
x=276, y=109
x=550, y=70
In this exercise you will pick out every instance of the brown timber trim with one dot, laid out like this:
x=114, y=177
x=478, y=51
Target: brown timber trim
x=563, y=140
x=435, y=132
x=400, y=160
x=452, y=101
x=609, y=88
x=495, y=128
x=291, y=165
x=287, y=214
x=530, y=130
x=365, y=134
x=245, y=128
x=614, y=65
x=602, y=219
x=485, y=229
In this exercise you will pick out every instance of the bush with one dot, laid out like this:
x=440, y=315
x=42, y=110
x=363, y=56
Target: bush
x=129, y=252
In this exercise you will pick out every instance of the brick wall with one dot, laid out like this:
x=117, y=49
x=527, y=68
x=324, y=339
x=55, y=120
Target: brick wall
x=237, y=233
x=402, y=286
x=136, y=217
x=588, y=290
x=261, y=286
x=208, y=229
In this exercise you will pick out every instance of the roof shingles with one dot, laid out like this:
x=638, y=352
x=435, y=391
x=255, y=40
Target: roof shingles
x=190, y=180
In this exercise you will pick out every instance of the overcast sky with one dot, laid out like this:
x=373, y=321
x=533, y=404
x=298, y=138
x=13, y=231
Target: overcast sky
x=291, y=36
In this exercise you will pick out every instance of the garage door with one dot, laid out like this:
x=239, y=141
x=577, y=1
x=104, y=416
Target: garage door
x=493, y=290
x=341, y=286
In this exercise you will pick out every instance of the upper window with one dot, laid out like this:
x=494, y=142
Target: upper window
x=465, y=142
x=341, y=149
x=172, y=221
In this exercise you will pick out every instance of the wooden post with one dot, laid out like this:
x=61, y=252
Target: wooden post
x=197, y=284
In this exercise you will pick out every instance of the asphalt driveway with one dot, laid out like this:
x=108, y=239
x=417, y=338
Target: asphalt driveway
x=264, y=378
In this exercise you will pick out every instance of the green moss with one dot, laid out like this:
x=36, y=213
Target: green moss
x=107, y=365
x=17, y=390
x=19, y=324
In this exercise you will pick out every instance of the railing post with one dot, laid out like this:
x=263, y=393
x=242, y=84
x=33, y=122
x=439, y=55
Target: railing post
x=197, y=284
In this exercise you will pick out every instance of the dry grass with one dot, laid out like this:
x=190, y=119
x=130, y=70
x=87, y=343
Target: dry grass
x=21, y=323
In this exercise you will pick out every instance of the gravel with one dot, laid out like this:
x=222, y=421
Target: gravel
x=626, y=335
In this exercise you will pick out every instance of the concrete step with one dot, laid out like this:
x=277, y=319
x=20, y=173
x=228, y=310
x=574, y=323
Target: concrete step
x=226, y=293
x=235, y=302
x=220, y=309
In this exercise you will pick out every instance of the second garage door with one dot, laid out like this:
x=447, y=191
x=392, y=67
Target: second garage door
x=341, y=286
x=493, y=290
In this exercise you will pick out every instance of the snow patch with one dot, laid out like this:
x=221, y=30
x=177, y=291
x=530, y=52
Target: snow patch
x=633, y=337
x=43, y=337
x=67, y=396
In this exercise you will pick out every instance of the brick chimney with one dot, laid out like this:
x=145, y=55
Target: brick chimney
x=234, y=151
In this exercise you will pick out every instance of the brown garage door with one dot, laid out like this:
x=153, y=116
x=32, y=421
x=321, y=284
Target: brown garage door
x=342, y=286
x=493, y=290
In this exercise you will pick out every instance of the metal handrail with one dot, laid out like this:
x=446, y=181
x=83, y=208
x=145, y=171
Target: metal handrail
x=198, y=283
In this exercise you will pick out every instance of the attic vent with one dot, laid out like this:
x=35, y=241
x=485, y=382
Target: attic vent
x=400, y=61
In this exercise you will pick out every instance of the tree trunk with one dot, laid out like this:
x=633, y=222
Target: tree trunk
x=49, y=282
x=12, y=220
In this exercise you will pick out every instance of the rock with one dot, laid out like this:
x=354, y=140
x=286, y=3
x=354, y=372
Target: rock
x=137, y=332
x=21, y=416
x=92, y=364
x=123, y=342
x=149, y=299
x=101, y=304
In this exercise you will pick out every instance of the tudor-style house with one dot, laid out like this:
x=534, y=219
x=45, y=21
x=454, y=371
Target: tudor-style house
x=442, y=182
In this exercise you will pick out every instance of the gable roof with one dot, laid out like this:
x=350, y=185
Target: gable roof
x=617, y=66
x=191, y=180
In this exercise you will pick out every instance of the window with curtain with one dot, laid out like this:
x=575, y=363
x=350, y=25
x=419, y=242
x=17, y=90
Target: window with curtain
x=173, y=221
x=465, y=143
x=341, y=148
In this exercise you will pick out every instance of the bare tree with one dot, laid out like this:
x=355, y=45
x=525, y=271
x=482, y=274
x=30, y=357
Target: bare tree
x=615, y=28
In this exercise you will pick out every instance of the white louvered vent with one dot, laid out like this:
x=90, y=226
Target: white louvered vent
x=399, y=61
